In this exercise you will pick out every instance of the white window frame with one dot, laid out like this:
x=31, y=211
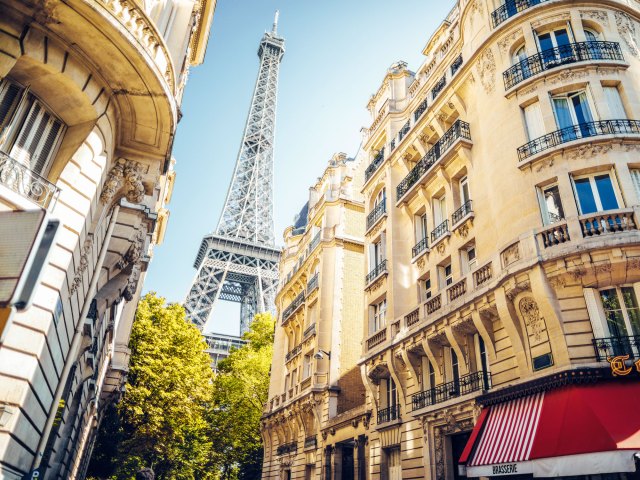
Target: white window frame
x=439, y=210
x=594, y=189
x=464, y=184
x=468, y=263
x=307, y=366
x=421, y=227
x=445, y=280
x=544, y=210
x=593, y=112
x=379, y=313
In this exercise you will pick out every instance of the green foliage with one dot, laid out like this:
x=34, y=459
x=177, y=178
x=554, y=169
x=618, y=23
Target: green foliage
x=241, y=388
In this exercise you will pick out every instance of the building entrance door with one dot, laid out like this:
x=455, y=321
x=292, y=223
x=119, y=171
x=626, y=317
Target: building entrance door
x=348, y=470
x=458, y=442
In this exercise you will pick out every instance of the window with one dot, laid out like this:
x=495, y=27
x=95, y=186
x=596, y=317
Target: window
x=425, y=289
x=29, y=133
x=554, y=46
x=591, y=35
x=380, y=198
x=439, y=210
x=390, y=398
x=394, y=464
x=482, y=362
x=446, y=275
x=635, y=179
x=621, y=311
x=520, y=54
x=428, y=374
x=378, y=314
x=421, y=227
x=573, y=113
x=306, y=366
x=468, y=257
x=464, y=191
x=378, y=253
x=551, y=205
x=616, y=108
x=533, y=121
x=595, y=193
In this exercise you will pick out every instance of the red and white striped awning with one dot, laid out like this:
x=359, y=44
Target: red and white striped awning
x=576, y=430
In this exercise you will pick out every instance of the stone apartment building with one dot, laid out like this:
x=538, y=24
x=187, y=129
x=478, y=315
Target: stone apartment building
x=315, y=418
x=501, y=324
x=89, y=104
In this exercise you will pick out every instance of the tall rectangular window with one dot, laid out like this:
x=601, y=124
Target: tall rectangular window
x=621, y=310
x=550, y=204
x=378, y=316
x=439, y=210
x=534, y=121
x=306, y=366
x=616, y=108
x=595, y=193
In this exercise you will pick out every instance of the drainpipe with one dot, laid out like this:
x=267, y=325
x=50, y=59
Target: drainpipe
x=77, y=339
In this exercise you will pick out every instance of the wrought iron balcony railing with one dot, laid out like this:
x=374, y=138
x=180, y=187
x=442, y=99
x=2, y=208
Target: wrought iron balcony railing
x=389, y=414
x=455, y=66
x=295, y=351
x=440, y=231
x=19, y=178
x=511, y=8
x=312, y=284
x=377, y=213
x=462, y=212
x=438, y=87
x=293, y=306
x=404, y=130
x=562, y=55
x=377, y=161
x=421, y=109
x=615, y=346
x=457, y=131
x=379, y=269
x=287, y=448
x=420, y=247
x=472, y=382
x=315, y=241
x=582, y=130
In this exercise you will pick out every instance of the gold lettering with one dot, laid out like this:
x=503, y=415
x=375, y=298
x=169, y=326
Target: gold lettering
x=637, y=364
x=618, y=366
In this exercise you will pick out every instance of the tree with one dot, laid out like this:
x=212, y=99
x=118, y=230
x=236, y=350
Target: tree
x=163, y=422
x=241, y=388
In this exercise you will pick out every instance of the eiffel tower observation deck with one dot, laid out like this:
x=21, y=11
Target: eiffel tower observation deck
x=239, y=262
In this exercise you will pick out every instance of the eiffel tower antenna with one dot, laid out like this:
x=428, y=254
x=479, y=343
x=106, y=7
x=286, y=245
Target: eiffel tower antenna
x=239, y=262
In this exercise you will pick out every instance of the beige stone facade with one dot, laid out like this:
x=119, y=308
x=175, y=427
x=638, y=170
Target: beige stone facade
x=501, y=244
x=315, y=414
x=89, y=104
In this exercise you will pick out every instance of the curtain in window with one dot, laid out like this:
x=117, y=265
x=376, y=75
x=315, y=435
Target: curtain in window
x=614, y=101
x=533, y=119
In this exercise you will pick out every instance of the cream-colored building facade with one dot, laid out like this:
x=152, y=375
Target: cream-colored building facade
x=502, y=201
x=89, y=105
x=315, y=417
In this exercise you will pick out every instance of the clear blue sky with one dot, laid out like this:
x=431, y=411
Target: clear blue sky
x=337, y=53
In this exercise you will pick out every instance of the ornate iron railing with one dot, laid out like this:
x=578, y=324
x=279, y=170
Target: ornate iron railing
x=420, y=247
x=615, y=346
x=377, y=338
x=377, y=213
x=439, y=231
x=295, y=351
x=404, y=130
x=315, y=241
x=412, y=318
x=373, y=166
x=561, y=55
x=389, y=414
x=27, y=183
x=457, y=131
x=293, y=306
x=421, y=109
x=455, y=66
x=472, y=382
x=438, y=87
x=310, y=442
x=462, y=212
x=311, y=329
x=574, y=132
x=379, y=269
x=312, y=284
x=287, y=448
x=511, y=8
x=611, y=221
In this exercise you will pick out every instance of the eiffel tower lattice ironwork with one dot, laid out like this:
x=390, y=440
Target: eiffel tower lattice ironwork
x=239, y=262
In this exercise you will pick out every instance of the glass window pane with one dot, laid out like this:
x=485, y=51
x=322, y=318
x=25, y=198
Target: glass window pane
x=545, y=41
x=613, y=313
x=563, y=114
x=581, y=107
x=562, y=38
x=553, y=204
x=631, y=304
x=586, y=200
x=591, y=36
x=606, y=192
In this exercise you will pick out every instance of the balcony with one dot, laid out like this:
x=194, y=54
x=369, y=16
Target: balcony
x=378, y=270
x=377, y=338
x=511, y=8
x=483, y=274
x=457, y=290
x=404, y=130
x=470, y=383
x=389, y=414
x=463, y=212
x=315, y=241
x=310, y=442
x=440, y=231
x=379, y=211
x=293, y=353
x=287, y=448
x=607, y=222
x=311, y=330
x=22, y=180
x=371, y=169
x=312, y=284
x=433, y=304
x=458, y=131
x=420, y=110
x=438, y=87
x=554, y=234
x=575, y=132
x=420, y=247
x=559, y=56
x=293, y=307
x=412, y=318
x=616, y=346
x=455, y=66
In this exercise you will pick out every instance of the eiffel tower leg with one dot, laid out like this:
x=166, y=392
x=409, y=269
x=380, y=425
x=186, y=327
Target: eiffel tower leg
x=204, y=293
x=248, y=308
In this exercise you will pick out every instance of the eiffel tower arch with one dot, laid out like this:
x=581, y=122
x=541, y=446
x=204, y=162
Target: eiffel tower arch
x=239, y=262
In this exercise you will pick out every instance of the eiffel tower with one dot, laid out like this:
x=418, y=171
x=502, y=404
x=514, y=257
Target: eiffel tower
x=239, y=262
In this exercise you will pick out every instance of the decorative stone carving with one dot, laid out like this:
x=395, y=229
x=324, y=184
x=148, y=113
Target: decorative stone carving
x=440, y=339
x=476, y=10
x=465, y=326
x=132, y=283
x=604, y=267
x=129, y=173
x=587, y=151
x=84, y=262
x=421, y=263
x=504, y=44
x=567, y=76
x=627, y=30
x=135, y=250
x=633, y=263
x=486, y=67
x=546, y=163
x=510, y=254
x=531, y=315
x=377, y=284
x=597, y=15
x=560, y=17
x=423, y=138
x=517, y=289
x=558, y=282
x=441, y=248
x=463, y=230
x=452, y=425
x=578, y=273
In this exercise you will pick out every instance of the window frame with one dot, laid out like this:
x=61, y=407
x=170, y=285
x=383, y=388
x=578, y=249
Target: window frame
x=594, y=190
x=544, y=210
